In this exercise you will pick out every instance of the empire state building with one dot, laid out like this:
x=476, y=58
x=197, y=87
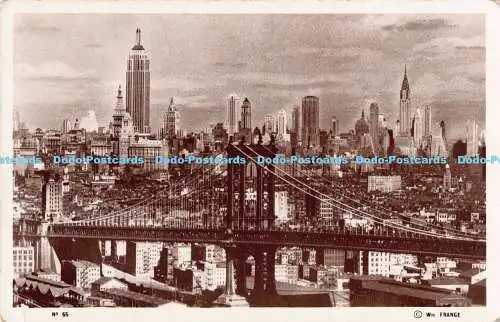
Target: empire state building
x=138, y=86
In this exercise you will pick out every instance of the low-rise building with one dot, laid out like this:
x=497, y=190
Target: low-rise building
x=106, y=283
x=453, y=284
x=378, y=291
x=80, y=273
x=23, y=260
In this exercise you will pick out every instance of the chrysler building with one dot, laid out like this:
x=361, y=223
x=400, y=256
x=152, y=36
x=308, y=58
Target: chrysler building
x=404, y=108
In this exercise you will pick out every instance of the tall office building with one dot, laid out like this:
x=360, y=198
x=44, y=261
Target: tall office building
x=310, y=121
x=66, y=126
x=246, y=114
x=281, y=124
x=427, y=121
x=16, y=121
x=269, y=123
x=296, y=121
x=121, y=127
x=447, y=178
x=171, y=121
x=120, y=116
x=472, y=138
x=417, y=128
x=335, y=126
x=374, y=116
x=138, y=86
x=52, y=197
x=404, y=107
x=232, y=119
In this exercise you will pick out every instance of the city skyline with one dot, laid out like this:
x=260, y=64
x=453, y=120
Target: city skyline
x=347, y=62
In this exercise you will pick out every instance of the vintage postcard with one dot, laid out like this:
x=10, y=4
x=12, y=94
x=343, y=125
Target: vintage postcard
x=335, y=158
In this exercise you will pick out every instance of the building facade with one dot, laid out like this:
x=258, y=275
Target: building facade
x=310, y=121
x=232, y=119
x=23, y=260
x=80, y=273
x=384, y=183
x=138, y=86
x=404, y=107
x=52, y=198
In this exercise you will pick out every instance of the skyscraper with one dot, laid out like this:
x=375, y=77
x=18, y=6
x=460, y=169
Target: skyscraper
x=138, y=86
x=335, y=126
x=447, y=178
x=171, y=121
x=232, y=123
x=404, y=107
x=121, y=127
x=16, y=122
x=472, y=138
x=296, y=121
x=374, y=115
x=310, y=121
x=281, y=122
x=427, y=121
x=417, y=128
x=52, y=197
x=246, y=114
x=66, y=126
x=269, y=123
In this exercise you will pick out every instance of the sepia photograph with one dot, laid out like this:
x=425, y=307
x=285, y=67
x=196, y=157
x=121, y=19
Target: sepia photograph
x=260, y=160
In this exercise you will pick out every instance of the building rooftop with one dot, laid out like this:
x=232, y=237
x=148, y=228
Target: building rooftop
x=409, y=290
x=470, y=272
x=446, y=281
x=103, y=280
x=45, y=286
x=82, y=263
x=387, y=285
x=136, y=296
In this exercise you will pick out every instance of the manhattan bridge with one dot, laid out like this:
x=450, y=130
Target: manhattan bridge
x=233, y=206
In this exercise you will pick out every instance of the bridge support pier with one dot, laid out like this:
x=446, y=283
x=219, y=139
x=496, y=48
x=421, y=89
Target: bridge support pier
x=46, y=253
x=230, y=298
x=270, y=271
x=258, y=286
x=241, y=274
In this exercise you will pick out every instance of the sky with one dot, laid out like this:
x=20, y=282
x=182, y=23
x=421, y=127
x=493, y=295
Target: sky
x=66, y=65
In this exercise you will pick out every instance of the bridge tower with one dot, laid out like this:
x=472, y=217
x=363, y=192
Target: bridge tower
x=248, y=178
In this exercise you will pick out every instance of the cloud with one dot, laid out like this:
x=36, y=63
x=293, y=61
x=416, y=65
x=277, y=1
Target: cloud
x=446, y=43
x=283, y=80
x=53, y=71
x=185, y=83
x=89, y=122
x=431, y=86
x=231, y=65
x=36, y=28
x=93, y=45
x=470, y=47
x=419, y=25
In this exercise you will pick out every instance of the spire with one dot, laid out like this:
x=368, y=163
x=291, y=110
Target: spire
x=138, y=45
x=363, y=114
x=119, y=92
x=171, y=105
x=119, y=101
x=405, y=86
x=138, y=39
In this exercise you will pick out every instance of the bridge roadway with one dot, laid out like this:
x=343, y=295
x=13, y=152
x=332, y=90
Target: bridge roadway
x=384, y=241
